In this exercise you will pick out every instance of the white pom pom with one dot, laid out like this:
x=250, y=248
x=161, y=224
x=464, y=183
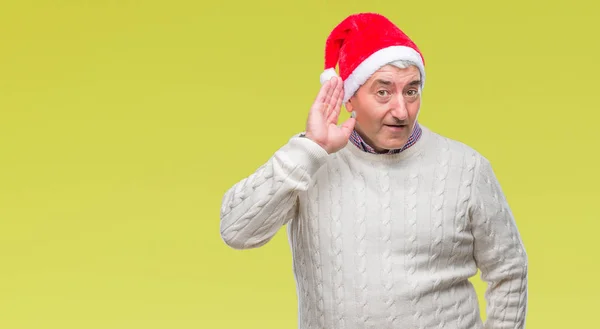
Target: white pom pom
x=327, y=75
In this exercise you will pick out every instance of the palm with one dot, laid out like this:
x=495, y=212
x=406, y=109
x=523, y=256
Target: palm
x=321, y=125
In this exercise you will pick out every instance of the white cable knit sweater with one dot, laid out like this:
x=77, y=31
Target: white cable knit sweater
x=387, y=241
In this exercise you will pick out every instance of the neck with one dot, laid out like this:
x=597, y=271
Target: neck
x=361, y=141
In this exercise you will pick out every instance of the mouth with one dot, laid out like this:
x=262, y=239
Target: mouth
x=396, y=127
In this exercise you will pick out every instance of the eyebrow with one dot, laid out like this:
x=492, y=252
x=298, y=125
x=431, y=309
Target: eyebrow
x=389, y=83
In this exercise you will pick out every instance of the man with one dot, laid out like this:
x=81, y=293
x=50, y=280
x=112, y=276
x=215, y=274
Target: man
x=385, y=230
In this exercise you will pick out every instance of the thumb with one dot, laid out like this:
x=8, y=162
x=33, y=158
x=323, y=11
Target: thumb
x=348, y=126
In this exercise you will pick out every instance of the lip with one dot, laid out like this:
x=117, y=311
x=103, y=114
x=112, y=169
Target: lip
x=397, y=128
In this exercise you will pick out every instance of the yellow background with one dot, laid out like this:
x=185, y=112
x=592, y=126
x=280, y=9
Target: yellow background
x=122, y=123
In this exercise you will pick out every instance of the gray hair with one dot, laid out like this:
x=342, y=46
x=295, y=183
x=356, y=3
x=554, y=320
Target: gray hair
x=402, y=64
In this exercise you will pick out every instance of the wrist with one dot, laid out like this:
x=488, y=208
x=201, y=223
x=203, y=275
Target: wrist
x=305, y=152
x=307, y=135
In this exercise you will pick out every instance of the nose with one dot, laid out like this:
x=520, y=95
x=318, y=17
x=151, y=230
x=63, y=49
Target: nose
x=398, y=108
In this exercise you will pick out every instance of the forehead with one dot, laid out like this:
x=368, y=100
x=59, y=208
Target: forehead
x=395, y=74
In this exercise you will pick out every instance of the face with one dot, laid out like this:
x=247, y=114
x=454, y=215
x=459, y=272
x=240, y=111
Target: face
x=387, y=106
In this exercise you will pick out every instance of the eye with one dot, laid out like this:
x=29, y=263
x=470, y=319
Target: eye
x=413, y=92
x=382, y=93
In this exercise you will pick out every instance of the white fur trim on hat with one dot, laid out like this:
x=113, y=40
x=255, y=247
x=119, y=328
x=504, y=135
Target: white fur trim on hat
x=384, y=56
x=327, y=75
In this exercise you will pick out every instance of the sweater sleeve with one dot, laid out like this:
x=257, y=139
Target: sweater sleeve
x=498, y=252
x=255, y=208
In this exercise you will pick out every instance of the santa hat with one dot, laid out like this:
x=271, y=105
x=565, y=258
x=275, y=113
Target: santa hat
x=361, y=44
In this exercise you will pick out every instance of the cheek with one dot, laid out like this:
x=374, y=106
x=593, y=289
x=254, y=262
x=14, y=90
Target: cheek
x=413, y=108
x=371, y=114
x=372, y=118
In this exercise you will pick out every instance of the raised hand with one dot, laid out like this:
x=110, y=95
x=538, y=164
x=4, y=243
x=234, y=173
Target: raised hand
x=321, y=125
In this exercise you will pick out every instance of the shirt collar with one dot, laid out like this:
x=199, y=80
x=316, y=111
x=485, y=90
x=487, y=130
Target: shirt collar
x=361, y=144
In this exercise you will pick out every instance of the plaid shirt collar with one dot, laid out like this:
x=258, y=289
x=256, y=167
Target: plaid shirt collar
x=361, y=144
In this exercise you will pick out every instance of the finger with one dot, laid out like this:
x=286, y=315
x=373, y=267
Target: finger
x=331, y=88
x=331, y=101
x=333, y=116
x=348, y=126
x=337, y=91
x=337, y=105
x=325, y=89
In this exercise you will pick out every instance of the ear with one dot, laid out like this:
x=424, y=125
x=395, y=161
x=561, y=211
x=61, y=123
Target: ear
x=349, y=107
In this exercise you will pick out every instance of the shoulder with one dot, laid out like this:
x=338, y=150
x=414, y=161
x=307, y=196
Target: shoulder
x=458, y=153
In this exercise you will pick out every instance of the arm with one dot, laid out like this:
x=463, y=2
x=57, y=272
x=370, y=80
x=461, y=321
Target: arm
x=255, y=208
x=498, y=251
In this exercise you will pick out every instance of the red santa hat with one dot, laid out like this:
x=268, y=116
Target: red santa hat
x=361, y=44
